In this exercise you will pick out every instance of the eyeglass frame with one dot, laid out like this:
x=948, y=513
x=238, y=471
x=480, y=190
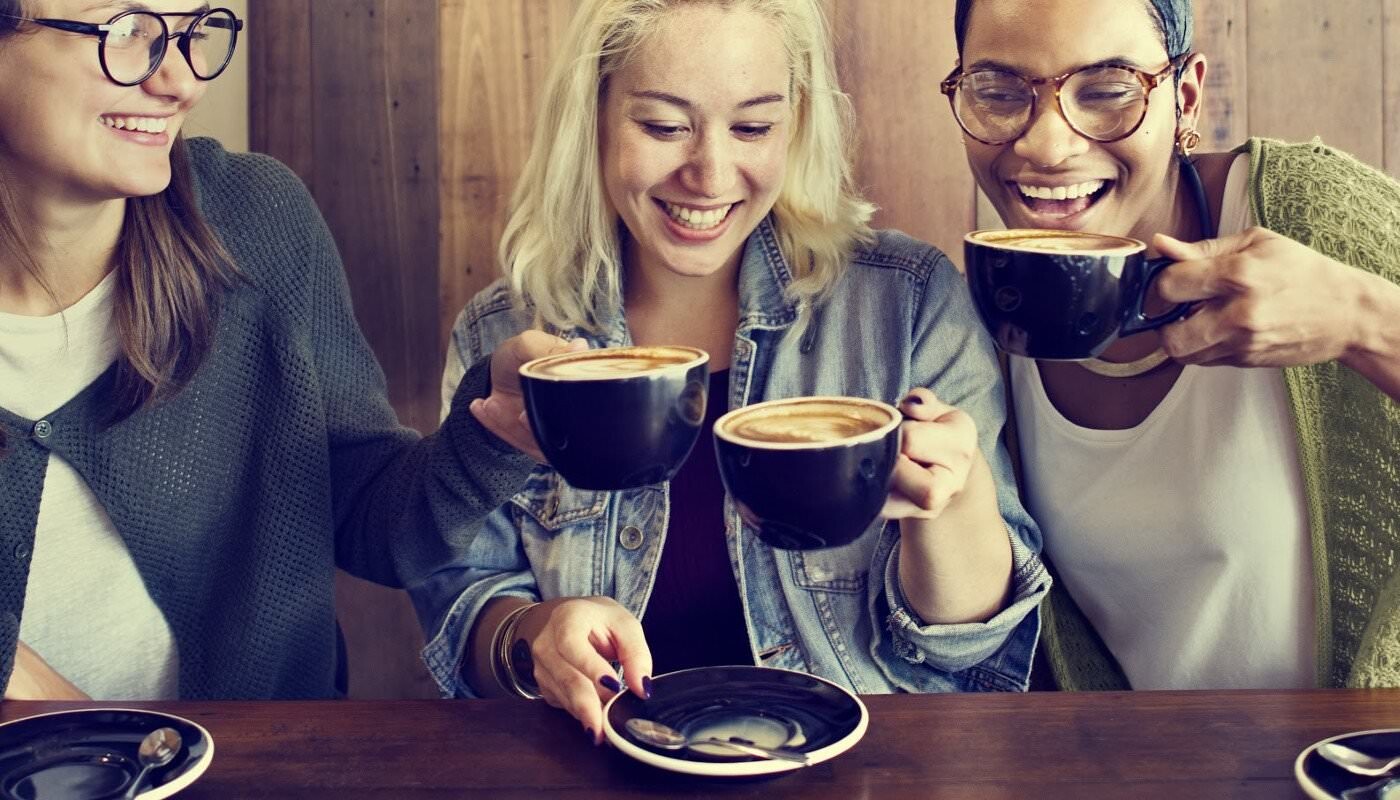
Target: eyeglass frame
x=100, y=30
x=1149, y=80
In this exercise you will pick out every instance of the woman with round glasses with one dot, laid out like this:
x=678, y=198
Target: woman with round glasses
x=1209, y=527
x=193, y=432
x=689, y=184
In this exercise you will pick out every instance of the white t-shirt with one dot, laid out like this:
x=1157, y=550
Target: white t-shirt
x=1184, y=539
x=86, y=609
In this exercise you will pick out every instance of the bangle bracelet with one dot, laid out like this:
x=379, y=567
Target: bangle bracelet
x=511, y=658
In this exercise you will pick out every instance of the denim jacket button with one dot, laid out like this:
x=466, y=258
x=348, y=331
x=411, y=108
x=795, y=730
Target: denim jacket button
x=631, y=537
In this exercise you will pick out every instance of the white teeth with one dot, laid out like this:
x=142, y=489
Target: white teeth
x=697, y=219
x=143, y=124
x=1060, y=192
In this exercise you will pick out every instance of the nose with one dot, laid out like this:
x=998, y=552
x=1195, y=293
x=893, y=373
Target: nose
x=1049, y=140
x=709, y=170
x=174, y=80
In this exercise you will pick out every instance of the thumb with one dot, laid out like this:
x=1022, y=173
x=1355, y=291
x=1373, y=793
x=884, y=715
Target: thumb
x=634, y=656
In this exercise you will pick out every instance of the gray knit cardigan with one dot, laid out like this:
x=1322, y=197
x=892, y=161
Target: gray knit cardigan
x=280, y=460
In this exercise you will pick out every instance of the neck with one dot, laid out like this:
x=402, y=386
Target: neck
x=697, y=311
x=71, y=246
x=1177, y=214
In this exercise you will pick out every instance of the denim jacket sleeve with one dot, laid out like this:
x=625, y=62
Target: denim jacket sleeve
x=957, y=356
x=492, y=562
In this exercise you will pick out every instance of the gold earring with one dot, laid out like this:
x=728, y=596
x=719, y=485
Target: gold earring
x=1187, y=140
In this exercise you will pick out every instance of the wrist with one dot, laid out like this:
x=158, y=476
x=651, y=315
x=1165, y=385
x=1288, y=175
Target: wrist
x=1377, y=305
x=511, y=663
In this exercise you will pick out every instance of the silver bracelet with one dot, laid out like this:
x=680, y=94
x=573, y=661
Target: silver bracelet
x=504, y=655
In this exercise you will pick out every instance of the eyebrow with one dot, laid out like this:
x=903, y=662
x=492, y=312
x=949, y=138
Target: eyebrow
x=681, y=102
x=132, y=5
x=1111, y=61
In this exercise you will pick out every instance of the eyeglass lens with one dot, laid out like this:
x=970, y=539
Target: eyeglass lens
x=1102, y=103
x=136, y=43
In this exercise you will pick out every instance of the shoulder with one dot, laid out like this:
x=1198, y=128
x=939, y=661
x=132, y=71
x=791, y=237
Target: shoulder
x=1326, y=199
x=895, y=250
x=246, y=183
x=489, y=318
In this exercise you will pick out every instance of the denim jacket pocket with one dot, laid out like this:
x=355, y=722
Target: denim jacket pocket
x=837, y=569
x=554, y=505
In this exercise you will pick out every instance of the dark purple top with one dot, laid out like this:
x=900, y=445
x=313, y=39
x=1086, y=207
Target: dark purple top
x=695, y=617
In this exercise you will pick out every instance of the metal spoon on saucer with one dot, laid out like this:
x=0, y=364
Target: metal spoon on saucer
x=157, y=749
x=1353, y=760
x=668, y=738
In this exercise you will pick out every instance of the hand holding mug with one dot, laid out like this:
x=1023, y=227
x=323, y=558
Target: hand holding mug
x=574, y=642
x=503, y=412
x=936, y=455
x=1265, y=301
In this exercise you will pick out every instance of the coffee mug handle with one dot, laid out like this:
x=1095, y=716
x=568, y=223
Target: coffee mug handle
x=1137, y=320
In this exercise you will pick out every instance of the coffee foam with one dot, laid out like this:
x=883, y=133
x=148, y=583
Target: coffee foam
x=616, y=362
x=806, y=422
x=1036, y=240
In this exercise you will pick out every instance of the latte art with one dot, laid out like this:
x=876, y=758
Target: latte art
x=620, y=362
x=814, y=422
x=1058, y=241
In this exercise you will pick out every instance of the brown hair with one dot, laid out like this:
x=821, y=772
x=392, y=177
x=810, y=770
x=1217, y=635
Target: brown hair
x=171, y=268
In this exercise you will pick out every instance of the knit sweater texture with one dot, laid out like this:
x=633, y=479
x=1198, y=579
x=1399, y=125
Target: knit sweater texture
x=280, y=460
x=1348, y=436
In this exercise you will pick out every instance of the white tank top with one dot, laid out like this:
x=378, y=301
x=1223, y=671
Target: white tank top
x=1184, y=539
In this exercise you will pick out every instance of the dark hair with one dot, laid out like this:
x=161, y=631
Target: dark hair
x=171, y=269
x=963, y=10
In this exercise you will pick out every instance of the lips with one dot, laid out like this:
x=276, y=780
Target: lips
x=1059, y=201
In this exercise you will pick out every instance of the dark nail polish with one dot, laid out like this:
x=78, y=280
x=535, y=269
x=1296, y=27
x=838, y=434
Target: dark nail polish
x=610, y=683
x=646, y=687
x=592, y=737
x=914, y=399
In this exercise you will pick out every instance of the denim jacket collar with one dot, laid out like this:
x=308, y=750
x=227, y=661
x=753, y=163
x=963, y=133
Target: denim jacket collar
x=764, y=276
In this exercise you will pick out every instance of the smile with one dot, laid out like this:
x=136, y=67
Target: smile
x=1051, y=203
x=695, y=218
x=1072, y=192
x=142, y=124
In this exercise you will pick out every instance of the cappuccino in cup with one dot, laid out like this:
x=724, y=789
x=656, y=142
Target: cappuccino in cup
x=617, y=417
x=1061, y=295
x=809, y=472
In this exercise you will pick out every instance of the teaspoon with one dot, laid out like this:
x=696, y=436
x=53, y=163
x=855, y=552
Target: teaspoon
x=668, y=738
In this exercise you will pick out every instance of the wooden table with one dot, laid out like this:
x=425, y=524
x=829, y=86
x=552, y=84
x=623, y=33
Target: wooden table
x=1038, y=745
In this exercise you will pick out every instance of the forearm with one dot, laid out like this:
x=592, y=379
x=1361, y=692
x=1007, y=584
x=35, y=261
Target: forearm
x=478, y=662
x=957, y=568
x=1375, y=353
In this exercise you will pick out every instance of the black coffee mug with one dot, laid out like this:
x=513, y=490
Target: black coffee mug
x=809, y=472
x=617, y=417
x=1063, y=295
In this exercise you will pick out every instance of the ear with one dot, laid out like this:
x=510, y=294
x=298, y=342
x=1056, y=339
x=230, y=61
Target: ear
x=1190, y=91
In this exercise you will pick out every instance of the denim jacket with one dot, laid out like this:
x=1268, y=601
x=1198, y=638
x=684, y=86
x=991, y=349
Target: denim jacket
x=900, y=316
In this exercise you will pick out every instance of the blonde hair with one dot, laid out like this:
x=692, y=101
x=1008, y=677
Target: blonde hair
x=561, y=248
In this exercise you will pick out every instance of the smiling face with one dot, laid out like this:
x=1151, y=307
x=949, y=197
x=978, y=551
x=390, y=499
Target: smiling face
x=1052, y=177
x=70, y=134
x=694, y=134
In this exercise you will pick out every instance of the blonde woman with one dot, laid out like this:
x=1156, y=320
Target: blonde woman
x=689, y=185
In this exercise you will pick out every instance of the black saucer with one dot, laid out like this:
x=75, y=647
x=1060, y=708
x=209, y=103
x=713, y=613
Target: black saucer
x=768, y=707
x=92, y=754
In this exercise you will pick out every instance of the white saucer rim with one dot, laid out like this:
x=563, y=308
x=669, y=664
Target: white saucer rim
x=740, y=769
x=1305, y=781
x=181, y=783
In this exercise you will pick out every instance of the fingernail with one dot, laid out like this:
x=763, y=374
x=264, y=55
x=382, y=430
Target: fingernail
x=915, y=399
x=610, y=683
x=646, y=687
x=592, y=737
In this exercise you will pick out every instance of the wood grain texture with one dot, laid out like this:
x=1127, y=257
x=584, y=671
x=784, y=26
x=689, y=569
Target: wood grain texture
x=1221, y=27
x=281, y=118
x=1050, y=745
x=910, y=158
x=1316, y=70
x=495, y=57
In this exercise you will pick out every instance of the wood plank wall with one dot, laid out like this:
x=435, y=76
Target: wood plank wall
x=410, y=121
